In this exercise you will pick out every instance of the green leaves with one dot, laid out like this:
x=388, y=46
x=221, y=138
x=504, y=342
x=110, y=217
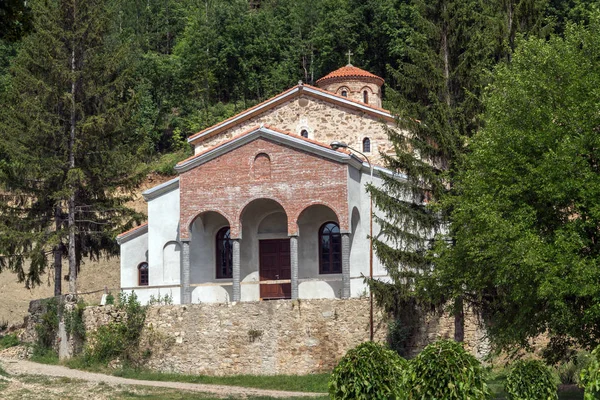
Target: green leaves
x=526, y=214
x=590, y=377
x=531, y=380
x=368, y=371
x=445, y=370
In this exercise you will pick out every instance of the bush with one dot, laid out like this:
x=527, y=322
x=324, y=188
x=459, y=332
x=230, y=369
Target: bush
x=444, y=370
x=530, y=380
x=570, y=370
x=47, y=328
x=118, y=339
x=590, y=377
x=368, y=371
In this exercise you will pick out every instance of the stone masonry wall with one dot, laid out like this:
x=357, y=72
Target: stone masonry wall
x=324, y=121
x=262, y=338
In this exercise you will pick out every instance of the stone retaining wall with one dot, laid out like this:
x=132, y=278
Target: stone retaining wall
x=263, y=338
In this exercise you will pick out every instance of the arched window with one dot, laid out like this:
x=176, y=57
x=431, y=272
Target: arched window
x=330, y=249
x=366, y=97
x=224, y=253
x=304, y=133
x=345, y=93
x=366, y=145
x=143, y=274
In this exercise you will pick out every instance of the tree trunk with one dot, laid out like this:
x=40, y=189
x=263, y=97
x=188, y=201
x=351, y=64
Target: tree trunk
x=57, y=250
x=459, y=320
x=446, y=57
x=71, y=203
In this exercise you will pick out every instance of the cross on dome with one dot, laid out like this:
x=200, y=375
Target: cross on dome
x=349, y=54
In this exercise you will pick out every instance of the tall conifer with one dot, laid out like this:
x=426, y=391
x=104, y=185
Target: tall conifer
x=444, y=49
x=68, y=157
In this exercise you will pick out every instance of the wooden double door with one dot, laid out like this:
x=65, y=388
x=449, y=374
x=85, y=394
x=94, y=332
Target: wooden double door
x=274, y=259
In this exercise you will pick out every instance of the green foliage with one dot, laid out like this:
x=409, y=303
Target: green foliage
x=119, y=338
x=47, y=328
x=9, y=340
x=445, y=370
x=569, y=370
x=590, y=377
x=67, y=145
x=369, y=371
x=165, y=300
x=74, y=323
x=527, y=208
x=110, y=299
x=530, y=380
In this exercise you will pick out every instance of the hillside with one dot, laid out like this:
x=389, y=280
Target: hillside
x=94, y=275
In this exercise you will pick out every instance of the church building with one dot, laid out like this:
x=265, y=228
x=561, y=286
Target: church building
x=266, y=208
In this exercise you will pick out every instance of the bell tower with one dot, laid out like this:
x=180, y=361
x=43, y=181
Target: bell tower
x=355, y=84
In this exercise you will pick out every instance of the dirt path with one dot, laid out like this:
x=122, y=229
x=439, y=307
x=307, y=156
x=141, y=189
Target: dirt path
x=21, y=367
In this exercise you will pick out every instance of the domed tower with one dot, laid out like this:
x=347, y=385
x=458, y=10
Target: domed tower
x=355, y=84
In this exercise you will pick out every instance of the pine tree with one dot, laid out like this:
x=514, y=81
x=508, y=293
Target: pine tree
x=68, y=155
x=444, y=49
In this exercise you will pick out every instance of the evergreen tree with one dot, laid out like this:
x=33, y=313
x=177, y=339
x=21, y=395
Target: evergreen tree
x=68, y=162
x=526, y=211
x=445, y=49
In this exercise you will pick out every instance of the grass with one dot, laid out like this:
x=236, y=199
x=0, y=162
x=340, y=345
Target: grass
x=8, y=341
x=165, y=164
x=316, y=383
x=44, y=356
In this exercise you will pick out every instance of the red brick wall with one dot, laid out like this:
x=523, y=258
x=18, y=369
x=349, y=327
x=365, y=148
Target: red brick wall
x=297, y=180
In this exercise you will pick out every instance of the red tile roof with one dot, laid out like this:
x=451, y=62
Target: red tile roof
x=349, y=72
x=254, y=129
x=132, y=230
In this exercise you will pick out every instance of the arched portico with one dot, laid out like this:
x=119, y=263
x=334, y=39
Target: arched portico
x=199, y=279
x=264, y=251
x=323, y=254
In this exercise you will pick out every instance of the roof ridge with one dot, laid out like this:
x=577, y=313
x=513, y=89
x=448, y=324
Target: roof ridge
x=282, y=94
x=254, y=129
x=120, y=235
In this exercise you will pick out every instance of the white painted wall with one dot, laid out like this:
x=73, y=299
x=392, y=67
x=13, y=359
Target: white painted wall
x=144, y=293
x=359, y=211
x=315, y=285
x=163, y=230
x=133, y=252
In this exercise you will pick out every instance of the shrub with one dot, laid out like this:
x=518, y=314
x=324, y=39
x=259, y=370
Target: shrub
x=530, y=380
x=570, y=370
x=47, y=328
x=590, y=377
x=368, y=371
x=445, y=370
x=118, y=339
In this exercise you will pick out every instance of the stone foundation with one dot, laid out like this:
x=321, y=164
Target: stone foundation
x=265, y=338
x=261, y=338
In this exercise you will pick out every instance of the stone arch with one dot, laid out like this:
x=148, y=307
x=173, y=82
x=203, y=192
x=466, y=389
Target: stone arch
x=340, y=91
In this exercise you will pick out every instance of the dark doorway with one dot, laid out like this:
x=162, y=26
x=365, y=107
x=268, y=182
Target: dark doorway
x=275, y=266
